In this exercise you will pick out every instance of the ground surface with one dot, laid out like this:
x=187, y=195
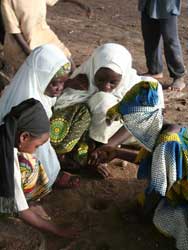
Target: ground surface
x=104, y=210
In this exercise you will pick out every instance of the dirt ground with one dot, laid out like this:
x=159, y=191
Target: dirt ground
x=105, y=211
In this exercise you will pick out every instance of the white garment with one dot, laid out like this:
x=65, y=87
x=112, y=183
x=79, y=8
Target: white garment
x=20, y=200
x=117, y=58
x=30, y=81
x=109, y=55
x=99, y=104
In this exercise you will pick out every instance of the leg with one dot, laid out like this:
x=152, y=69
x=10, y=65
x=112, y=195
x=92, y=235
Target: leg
x=173, y=51
x=152, y=44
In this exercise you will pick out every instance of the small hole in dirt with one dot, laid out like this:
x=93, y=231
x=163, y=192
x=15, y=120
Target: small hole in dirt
x=100, y=204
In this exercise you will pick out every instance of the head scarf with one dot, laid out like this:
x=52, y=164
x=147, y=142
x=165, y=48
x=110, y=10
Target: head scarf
x=28, y=116
x=32, y=79
x=141, y=112
x=109, y=55
x=64, y=70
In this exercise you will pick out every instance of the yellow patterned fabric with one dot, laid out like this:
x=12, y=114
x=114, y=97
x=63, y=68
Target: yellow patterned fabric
x=34, y=179
x=170, y=176
x=68, y=127
x=143, y=153
x=165, y=137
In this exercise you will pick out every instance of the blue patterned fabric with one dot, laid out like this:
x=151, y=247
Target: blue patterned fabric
x=141, y=112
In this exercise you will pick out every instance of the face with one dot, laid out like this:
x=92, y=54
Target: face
x=56, y=86
x=106, y=79
x=29, y=144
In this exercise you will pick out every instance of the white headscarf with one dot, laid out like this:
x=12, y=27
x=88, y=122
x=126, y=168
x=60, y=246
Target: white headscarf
x=109, y=55
x=32, y=79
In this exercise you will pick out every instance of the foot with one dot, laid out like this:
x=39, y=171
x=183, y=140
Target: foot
x=67, y=181
x=156, y=76
x=177, y=84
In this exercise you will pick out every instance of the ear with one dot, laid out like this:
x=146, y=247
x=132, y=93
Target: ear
x=24, y=137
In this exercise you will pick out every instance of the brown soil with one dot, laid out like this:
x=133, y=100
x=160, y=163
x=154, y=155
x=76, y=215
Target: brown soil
x=104, y=210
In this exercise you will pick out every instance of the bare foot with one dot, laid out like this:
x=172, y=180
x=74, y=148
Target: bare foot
x=178, y=84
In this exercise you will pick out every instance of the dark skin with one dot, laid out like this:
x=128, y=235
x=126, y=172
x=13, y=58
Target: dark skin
x=35, y=215
x=106, y=79
x=57, y=85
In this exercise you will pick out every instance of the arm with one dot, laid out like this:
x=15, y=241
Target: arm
x=119, y=137
x=30, y=216
x=12, y=25
x=36, y=221
x=107, y=153
x=22, y=43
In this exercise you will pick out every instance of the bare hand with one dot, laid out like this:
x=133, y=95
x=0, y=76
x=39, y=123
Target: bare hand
x=102, y=155
x=103, y=170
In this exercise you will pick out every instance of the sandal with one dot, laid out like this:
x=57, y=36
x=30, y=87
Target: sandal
x=67, y=181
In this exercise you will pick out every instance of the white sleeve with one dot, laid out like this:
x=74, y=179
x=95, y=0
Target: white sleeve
x=18, y=191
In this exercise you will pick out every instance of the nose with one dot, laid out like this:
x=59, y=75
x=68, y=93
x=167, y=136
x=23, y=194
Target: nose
x=60, y=86
x=106, y=87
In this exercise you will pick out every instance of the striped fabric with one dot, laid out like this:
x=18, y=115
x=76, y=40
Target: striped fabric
x=34, y=178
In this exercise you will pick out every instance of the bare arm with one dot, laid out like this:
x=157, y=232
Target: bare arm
x=22, y=43
x=119, y=137
x=105, y=154
x=126, y=154
x=36, y=221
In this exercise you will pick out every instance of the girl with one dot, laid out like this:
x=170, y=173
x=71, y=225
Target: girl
x=110, y=74
x=22, y=177
x=163, y=162
x=42, y=76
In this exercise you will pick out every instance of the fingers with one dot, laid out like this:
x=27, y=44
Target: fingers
x=103, y=170
x=94, y=159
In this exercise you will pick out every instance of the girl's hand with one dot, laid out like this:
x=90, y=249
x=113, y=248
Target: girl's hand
x=102, y=155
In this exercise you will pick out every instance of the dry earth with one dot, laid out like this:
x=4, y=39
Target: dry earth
x=104, y=210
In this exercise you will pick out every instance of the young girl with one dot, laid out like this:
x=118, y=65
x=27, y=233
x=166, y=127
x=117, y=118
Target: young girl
x=42, y=76
x=110, y=75
x=22, y=177
x=164, y=161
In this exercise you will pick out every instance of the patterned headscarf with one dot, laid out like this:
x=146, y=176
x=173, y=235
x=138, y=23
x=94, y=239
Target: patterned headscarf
x=141, y=112
x=65, y=69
